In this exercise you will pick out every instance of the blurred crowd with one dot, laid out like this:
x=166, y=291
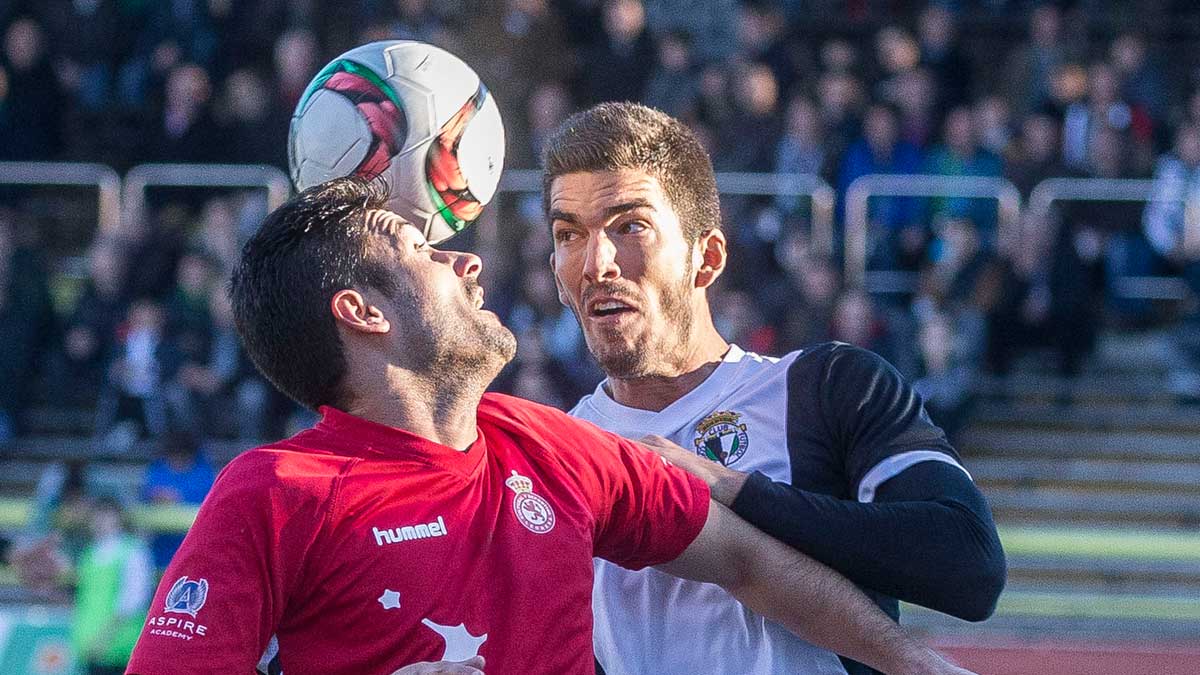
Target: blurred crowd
x=1015, y=89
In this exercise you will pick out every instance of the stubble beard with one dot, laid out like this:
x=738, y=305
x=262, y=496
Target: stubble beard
x=658, y=353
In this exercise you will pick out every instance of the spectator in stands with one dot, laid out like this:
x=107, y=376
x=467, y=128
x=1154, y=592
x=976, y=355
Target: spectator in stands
x=961, y=155
x=1174, y=238
x=1076, y=281
x=881, y=150
x=296, y=62
x=617, y=68
x=32, y=101
x=673, y=86
x=800, y=305
x=254, y=129
x=216, y=389
x=180, y=475
x=748, y=139
x=841, y=96
x=1033, y=157
x=993, y=120
x=857, y=321
x=801, y=149
x=26, y=323
x=896, y=55
x=90, y=332
x=943, y=55
x=132, y=402
x=914, y=94
x=114, y=585
x=549, y=105
x=184, y=129
x=1141, y=78
x=1104, y=109
x=1031, y=66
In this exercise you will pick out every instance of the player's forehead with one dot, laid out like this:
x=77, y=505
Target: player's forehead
x=591, y=195
x=392, y=226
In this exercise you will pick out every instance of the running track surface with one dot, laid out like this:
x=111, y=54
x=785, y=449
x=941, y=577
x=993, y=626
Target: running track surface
x=1033, y=657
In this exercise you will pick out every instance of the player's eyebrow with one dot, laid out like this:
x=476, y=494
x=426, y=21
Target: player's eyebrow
x=568, y=217
x=565, y=216
x=637, y=203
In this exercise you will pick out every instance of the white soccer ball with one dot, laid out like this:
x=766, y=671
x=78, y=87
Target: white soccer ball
x=412, y=115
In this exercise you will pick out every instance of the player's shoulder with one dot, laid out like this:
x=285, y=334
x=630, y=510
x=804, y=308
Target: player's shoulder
x=519, y=412
x=834, y=360
x=287, y=465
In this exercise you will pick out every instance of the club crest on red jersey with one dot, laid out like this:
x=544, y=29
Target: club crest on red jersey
x=187, y=596
x=531, y=509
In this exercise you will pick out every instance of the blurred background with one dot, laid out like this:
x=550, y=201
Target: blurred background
x=1001, y=197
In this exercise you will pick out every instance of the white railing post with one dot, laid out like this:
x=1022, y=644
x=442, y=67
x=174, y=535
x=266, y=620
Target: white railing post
x=1052, y=190
x=103, y=178
x=143, y=176
x=1007, y=196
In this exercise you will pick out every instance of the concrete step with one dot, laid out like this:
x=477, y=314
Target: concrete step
x=1031, y=387
x=1097, y=416
x=1107, y=575
x=1085, y=474
x=1042, y=505
x=1083, y=444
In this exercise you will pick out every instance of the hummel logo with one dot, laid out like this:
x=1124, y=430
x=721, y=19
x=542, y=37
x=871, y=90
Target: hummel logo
x=397, y=535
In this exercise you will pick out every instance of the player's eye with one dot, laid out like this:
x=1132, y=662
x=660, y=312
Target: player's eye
x=564, y=236
x=632, y=227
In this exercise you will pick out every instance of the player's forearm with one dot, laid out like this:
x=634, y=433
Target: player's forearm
x=824, y=608
x=960, y=568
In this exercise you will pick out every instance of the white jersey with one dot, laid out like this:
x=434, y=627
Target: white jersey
x=735, y=416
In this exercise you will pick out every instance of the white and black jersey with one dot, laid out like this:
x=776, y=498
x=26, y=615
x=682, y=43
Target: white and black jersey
x=829, y=425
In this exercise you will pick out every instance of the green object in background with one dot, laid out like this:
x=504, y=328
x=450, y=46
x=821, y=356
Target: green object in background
x=36, y=641
x=15, y=514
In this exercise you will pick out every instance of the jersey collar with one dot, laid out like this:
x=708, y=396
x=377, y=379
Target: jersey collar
x=634, y=422
x=361, y=437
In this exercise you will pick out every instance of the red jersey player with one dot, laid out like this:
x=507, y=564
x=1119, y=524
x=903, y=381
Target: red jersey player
x=422, y=522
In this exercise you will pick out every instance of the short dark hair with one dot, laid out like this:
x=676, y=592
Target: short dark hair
x=315, y=245
x=615, y=136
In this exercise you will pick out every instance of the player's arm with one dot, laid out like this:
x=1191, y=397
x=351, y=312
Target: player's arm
x=804, y=596
x=920, y=530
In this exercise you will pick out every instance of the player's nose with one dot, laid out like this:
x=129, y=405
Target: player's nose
x=600, y=259
x=467, y=264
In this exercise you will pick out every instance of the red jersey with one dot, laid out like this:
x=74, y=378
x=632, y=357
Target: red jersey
x=365, y=548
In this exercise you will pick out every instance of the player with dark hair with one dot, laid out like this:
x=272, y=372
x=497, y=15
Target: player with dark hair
x=827, y=448
x=422, y=526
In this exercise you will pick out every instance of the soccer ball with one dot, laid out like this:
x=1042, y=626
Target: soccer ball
x=411, y=115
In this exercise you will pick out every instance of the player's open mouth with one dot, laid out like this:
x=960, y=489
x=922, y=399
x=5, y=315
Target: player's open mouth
x=606, y=307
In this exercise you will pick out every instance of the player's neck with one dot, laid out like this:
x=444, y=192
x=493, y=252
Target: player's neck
x=674, y=380
x=440, y=410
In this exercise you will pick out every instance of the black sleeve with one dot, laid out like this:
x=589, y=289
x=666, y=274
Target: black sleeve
x=928, y=539
x=870, y=412
x=917, y=529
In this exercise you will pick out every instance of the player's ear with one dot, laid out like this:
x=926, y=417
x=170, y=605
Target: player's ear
x=708, y=257
x=353, y=312
x=562, y=294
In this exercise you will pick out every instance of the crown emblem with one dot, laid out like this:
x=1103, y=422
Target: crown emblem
x=518, y=483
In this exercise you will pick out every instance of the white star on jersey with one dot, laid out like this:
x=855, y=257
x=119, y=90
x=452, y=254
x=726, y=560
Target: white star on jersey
x=390, y=599
x=460, y=644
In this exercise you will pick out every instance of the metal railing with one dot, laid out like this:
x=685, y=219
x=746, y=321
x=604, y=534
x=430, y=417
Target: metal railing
x=799, y=185
x=144, y=176
x=1051, y=190
x=923, y=185
x=104, y=179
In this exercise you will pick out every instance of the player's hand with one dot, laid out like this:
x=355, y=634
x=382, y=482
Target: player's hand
x=723, y=482
x=472, y=666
